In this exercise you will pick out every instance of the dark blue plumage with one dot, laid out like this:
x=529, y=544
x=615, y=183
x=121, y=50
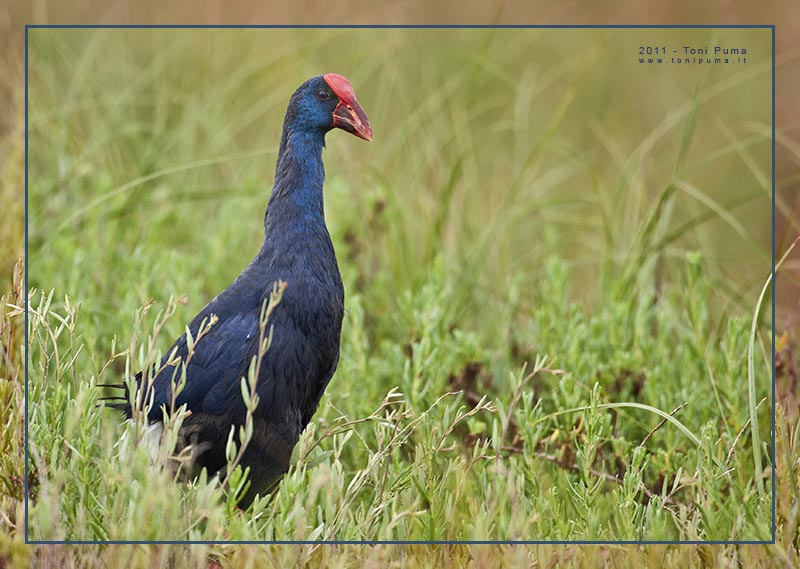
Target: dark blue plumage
x=306, y=324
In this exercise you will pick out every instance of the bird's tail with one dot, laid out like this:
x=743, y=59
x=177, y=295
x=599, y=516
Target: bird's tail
x=120, y=399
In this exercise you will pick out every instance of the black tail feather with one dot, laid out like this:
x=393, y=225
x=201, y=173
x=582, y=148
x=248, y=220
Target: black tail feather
x=119, y=402
x=113, y=385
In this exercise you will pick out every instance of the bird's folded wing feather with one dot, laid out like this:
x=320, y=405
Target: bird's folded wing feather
x=219, y=359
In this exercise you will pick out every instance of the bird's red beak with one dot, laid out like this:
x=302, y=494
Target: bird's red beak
x=348, y=114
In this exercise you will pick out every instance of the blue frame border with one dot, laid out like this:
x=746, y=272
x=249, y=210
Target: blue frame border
x=771, y=27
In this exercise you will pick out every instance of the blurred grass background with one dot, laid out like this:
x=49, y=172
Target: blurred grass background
x=455, y=117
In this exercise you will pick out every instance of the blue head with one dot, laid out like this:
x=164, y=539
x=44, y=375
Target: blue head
x=325, y=102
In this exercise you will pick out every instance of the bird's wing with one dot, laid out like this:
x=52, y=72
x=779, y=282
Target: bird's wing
x=220, y=356
x=283, y=371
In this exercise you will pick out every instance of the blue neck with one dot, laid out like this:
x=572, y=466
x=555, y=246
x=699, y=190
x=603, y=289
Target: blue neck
x=296, y=200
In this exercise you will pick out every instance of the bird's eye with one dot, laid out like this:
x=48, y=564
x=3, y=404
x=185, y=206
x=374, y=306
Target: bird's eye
x=323, y=95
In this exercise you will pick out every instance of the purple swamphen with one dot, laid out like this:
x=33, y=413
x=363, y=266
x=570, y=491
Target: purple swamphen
x=306, y=324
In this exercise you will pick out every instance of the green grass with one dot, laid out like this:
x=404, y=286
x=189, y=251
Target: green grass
x=551, y=265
